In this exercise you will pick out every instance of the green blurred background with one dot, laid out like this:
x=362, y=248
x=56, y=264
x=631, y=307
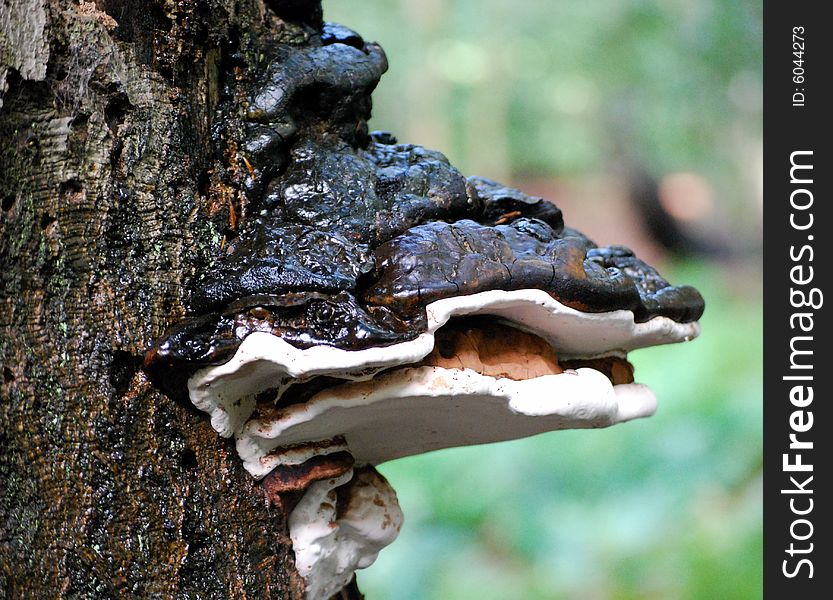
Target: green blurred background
x=610, y=110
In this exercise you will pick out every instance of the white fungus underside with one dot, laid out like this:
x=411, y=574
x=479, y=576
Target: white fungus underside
x=409, y=411
x=415, y=410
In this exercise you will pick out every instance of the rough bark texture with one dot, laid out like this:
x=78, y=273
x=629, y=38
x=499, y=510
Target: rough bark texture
x=112, y=195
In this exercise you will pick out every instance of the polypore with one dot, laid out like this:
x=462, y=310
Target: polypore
x=381, y=305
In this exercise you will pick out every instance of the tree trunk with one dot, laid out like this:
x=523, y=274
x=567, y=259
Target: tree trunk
x=114, y=192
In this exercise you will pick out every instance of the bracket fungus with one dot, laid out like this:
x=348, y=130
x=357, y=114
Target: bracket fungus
x=379, y=304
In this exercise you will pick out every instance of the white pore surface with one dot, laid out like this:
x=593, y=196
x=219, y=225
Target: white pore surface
x=264, y=361
x=328, y=550
x=414, y=410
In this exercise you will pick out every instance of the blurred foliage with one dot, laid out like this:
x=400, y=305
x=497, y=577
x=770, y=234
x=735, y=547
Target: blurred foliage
x=663, y=508
x=567, y=87
x=667, y=507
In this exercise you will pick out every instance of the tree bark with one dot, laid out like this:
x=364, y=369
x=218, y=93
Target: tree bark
x=113, y=194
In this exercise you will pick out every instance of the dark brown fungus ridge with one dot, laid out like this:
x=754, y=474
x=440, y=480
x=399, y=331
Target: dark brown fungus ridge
x=438, y=260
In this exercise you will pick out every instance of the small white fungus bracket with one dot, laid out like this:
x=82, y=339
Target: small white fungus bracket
x=331, y=541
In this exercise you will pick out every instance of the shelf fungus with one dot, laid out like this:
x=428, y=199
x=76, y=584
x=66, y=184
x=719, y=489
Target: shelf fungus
x=381, y=305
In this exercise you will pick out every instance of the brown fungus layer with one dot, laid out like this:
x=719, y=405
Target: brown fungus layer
x=296, y=478
x=499, y=350
x=618, y=370
x=493, y=349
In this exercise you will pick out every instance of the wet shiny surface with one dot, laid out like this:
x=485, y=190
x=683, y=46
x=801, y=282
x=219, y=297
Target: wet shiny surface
x=352, y=234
